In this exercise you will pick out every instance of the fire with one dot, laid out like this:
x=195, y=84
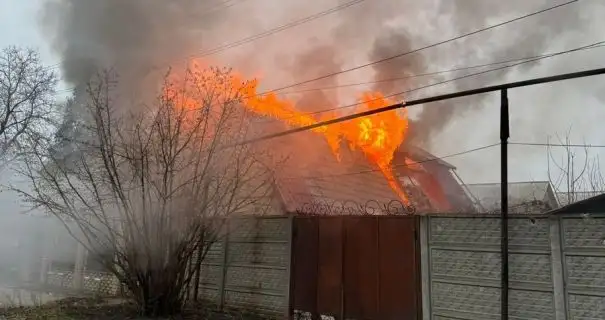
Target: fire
x=377, y=136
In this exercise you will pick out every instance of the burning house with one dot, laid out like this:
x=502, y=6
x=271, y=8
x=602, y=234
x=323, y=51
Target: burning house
x=365, y=164
x=312, y=180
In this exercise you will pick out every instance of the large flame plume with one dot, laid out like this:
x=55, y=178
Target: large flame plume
x=377, y=136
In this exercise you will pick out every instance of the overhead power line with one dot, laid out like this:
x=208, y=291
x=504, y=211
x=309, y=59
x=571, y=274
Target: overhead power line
x=261, y=35
x=222, y=6
x=565, y=145
x=456, y=69
x=550, y=55
x=524, y=60
x=401, y=165
x=511, y=85
x=428, y=46
x=450, y=156
x=340, y=7
x=276, y=30
x=213, y=9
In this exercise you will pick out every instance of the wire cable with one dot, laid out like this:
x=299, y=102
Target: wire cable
x=451, y=156
x=550, y=55
x=400, y=165
x=335, y=9
x=596, y=45
x=419, y=75
x=573, y=145
x=222, y=6
x=261, y=35
x=393, y=106
x=275, y=30
x=428, y=46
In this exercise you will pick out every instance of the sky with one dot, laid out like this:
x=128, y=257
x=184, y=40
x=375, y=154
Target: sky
x=18, y=22
x=536, y=112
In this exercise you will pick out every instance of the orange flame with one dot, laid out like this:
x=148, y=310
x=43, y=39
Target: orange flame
x=377, y=136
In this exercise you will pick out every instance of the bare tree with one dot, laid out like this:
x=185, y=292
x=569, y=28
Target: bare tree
x=153, y=184
x=27, y=91
x=576, y=175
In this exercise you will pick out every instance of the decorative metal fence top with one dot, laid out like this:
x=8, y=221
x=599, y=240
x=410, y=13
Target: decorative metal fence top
x=349, y=207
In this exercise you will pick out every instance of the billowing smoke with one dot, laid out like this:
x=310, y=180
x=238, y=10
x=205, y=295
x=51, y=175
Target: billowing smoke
x=138, y=37
x=317, y=61
x=131, y=36
x=498, y=45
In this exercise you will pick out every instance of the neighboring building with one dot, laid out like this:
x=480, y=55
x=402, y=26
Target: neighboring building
x=523, y=197
x=566, y=198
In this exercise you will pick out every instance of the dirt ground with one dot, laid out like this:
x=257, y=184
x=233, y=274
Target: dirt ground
x=98, y=309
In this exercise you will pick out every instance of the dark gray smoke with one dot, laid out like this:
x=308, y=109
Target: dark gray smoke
x=394, y=27
x=530, y=37
x=317, y=60
x=138, y=36
x=136, y=39
x=132, y=36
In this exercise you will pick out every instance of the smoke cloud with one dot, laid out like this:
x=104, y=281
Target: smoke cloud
x=467, y=16
x=136, y=37
x=130, y=36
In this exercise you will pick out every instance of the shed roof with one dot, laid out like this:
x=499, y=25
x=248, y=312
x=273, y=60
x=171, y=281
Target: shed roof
x=594, y=204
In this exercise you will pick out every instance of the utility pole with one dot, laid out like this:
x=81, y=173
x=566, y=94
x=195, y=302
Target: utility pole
x=504, y=135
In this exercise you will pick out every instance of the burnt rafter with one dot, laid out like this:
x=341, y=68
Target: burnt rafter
x=349, y=207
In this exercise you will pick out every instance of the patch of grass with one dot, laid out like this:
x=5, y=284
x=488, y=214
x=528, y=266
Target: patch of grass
x=103, y=309
x=69, y=308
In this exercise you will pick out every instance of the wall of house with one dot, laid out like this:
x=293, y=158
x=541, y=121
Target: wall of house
x=557, y=267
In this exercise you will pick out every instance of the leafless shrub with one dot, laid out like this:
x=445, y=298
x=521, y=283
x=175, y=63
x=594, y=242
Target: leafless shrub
x=153, y=184
x=576, y=175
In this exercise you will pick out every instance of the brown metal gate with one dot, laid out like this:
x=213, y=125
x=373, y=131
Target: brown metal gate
x=356, y=267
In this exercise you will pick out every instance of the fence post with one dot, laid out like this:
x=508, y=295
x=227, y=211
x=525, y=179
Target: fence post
x=223, y=265
x=289, y=267
x=79, y=266
x=504, y=135
x=425, y=267
x=44, y=268
x=556, y=255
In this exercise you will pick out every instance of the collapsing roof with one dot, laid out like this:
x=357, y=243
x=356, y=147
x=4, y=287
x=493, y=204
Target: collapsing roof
x=311, y=179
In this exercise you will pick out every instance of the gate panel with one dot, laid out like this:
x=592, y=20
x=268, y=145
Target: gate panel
x=361, y=268
x=399, y=269
x=304, y=264
x=364, y=266
x=329, y=291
